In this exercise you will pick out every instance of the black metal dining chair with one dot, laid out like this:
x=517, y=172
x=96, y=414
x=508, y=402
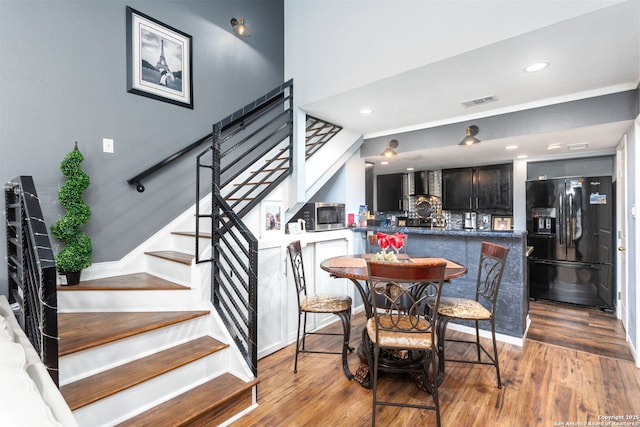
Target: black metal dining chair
x=402, y=326
x=493, y=258
x=337, y=304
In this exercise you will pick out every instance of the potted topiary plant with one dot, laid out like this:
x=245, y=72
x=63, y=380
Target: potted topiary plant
x=76, y=253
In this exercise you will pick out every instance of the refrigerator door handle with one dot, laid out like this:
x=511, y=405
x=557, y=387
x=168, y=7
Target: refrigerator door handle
x=576, y=264
x=561, y=226
x=572, y=222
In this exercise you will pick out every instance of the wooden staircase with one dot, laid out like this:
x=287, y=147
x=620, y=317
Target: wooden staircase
x=146, y=367
x=147, y=347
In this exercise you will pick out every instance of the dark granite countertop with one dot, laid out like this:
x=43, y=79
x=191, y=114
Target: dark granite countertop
x=444, y=231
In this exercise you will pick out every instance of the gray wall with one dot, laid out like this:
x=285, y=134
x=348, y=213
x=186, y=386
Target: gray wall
x=63, y=79
x=611, y=108
x=587, y=166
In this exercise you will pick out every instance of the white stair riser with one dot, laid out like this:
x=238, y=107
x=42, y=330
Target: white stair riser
x=92, y=301
x=169, y=270
x=187, y=244
x=189, y=223
x=141, y=397
x=92, y=361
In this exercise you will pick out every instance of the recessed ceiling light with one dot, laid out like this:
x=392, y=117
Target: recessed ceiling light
x=384, y=163
x=554, y=147
x=510, y=147
x=538, y=66
x=522, y=156
x=365, y=111
x=409, y=169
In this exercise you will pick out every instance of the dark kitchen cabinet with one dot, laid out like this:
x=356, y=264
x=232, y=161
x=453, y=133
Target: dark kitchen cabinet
x=390, y=192
x=494, y=187
x=485, y=188
x=457, y=189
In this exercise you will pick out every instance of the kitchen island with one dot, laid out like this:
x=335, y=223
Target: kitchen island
x=463, y=247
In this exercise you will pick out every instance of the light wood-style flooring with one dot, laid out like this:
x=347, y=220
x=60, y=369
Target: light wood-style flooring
x=560, y=375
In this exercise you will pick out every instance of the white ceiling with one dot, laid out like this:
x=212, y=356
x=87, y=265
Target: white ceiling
x=590, y=54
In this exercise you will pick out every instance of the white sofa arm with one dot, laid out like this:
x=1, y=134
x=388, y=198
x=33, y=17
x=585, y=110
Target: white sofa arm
x=31, y=397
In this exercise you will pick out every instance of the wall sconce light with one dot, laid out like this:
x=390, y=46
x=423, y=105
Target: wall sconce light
x=388, y=152
x=470, y=139
x=239, y=28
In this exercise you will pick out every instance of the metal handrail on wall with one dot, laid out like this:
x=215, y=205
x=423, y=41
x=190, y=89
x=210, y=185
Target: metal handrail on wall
x=32, y=271
x=137, y=180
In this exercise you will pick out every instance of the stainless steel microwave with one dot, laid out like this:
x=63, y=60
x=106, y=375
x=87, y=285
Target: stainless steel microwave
x=322, y=216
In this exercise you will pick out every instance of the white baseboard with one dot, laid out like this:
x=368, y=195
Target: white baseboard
x=487, y=334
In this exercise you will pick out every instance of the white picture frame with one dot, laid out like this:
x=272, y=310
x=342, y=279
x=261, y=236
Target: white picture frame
x=271, y=218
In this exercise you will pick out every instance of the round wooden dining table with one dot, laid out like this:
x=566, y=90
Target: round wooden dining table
x=354, y=268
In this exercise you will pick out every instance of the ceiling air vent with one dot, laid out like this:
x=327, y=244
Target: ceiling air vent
x=578, y=146
x=479, y=101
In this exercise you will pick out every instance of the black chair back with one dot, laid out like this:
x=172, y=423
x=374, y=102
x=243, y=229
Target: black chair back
x=297, y=264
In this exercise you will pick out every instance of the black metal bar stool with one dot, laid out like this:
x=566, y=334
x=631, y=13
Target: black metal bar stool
x=340, y=305
x=483, y=308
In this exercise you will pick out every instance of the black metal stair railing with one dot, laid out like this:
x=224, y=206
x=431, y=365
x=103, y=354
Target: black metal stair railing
x=250, y=155
x=235, y=280
x=31, y=270
x=318, y=133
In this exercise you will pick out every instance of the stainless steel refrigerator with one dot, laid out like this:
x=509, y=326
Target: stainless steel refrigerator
x=570, y=224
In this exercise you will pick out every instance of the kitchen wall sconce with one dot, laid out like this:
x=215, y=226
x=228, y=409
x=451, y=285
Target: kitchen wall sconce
x=388, y=152
x=470, y=139
x=239, y=28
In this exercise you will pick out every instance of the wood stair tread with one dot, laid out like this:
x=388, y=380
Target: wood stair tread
x=91, y=389
x=82, y=331
x=256, y=183
x=203, y=405
x=181, y=257
x=135, y=281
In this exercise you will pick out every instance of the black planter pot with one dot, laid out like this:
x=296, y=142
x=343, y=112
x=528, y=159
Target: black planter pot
x=73, y=277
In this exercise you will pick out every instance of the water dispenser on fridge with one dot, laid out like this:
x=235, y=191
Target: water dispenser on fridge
x=544, y=220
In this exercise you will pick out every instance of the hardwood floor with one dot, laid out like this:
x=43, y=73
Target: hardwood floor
x=564, y=325
x=559, y=381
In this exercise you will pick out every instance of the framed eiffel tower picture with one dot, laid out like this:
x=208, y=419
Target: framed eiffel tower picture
x=158, y=60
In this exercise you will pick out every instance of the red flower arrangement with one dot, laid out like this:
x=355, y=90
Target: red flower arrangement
x=395, y=241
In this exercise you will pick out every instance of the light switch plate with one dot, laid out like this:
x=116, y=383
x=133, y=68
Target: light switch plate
x=107, y=145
